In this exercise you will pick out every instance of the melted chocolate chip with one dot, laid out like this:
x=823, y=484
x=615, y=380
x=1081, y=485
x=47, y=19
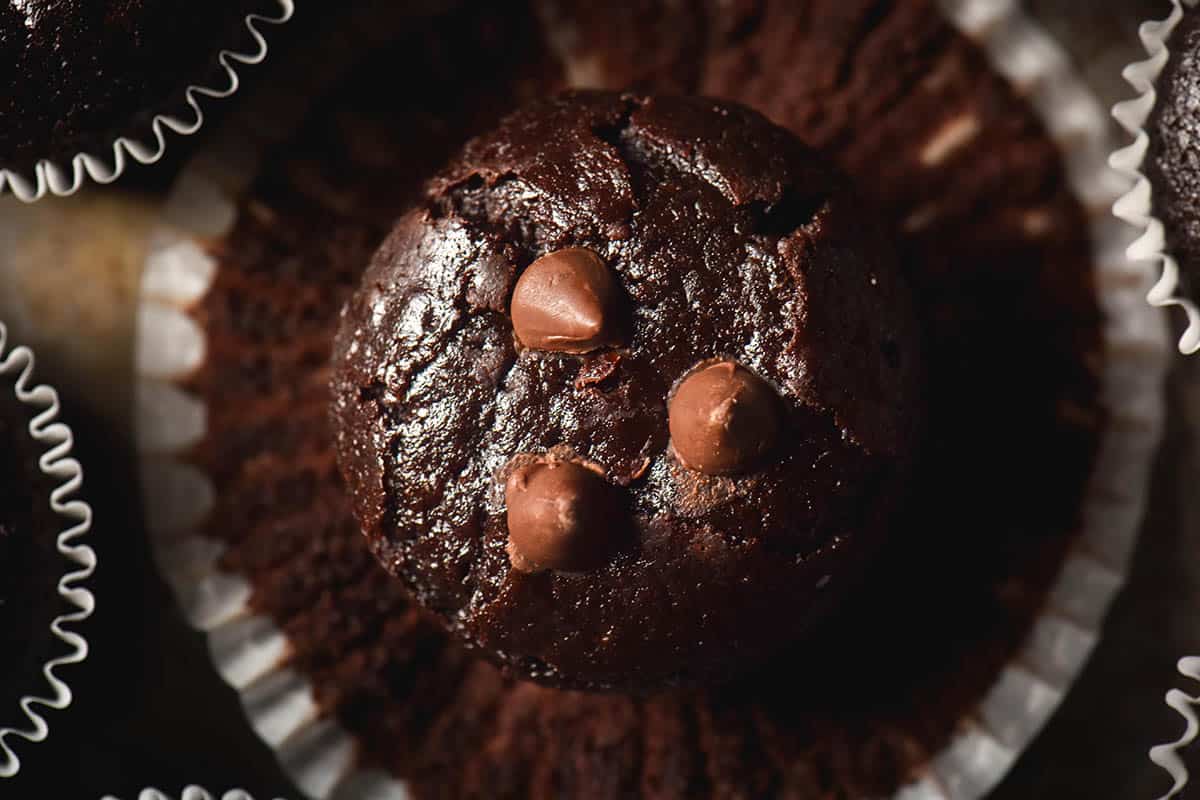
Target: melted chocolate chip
x=564, y=302
x=559, y=516
x=723, y=418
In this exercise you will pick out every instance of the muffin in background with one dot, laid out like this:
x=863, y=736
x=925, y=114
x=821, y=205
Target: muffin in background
x=85, y=85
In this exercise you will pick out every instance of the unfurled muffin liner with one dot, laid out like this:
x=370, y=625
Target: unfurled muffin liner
x=189, y=793
x=250, y=651
x=79, y=560
x=1136, y=206
x=66, y=177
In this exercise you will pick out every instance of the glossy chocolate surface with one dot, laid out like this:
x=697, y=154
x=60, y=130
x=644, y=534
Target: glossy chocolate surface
x=728, y=239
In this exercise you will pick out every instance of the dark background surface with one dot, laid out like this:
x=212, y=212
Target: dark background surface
x=150, y=710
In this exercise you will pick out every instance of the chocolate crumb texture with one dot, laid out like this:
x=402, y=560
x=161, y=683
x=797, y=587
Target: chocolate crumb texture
x=723, y=238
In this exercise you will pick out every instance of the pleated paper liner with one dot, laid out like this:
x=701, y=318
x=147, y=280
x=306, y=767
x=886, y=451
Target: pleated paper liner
x=355, y=690
x=1168, y=755
x=78, y=561
x=1136, y=205
x=149, y=144
x=188, y=793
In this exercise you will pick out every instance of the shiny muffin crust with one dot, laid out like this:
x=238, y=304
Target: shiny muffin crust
x=729, y=239
x=989, y=231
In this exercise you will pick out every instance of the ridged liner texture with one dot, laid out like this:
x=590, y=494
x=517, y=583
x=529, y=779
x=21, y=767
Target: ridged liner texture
x=51, y=177
x=1167, y=755
x=248, y=650
x=56, y=461
x=189, y=793
x=1136, y=208
x=1136, y=205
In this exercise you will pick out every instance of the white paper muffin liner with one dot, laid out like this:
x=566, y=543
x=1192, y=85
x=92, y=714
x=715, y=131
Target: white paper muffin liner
x=79, y=560
x=189, y=793
x=250, y=651
x=1167, y=755
x=65, y=178
x=1136, y=206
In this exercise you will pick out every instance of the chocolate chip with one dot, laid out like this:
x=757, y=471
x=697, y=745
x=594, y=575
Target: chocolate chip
x=560, y=514
x=723, y=418
x=564, y=301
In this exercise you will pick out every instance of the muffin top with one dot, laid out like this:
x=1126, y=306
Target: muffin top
x=629, y=397
x=1173, y=160
x=75, y=74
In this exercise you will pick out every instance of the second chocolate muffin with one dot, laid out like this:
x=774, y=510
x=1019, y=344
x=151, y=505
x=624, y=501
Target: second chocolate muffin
x=75, y=75
x=631, y=396
x=1171, y=162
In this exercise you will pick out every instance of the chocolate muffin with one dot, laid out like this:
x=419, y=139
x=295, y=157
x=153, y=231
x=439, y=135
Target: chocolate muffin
x=637, y=373
x=76, y=74
x=1172, y=162
x=989, y=234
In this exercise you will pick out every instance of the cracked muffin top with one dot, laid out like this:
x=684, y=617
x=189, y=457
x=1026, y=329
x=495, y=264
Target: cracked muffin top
x=630, y=397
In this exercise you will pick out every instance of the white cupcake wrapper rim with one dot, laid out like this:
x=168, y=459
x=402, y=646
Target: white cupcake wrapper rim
x=52, y=177
x=251, y=652
x=1167, y=755
x=56, y=461
x=1136, y=206
x=189, y=793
